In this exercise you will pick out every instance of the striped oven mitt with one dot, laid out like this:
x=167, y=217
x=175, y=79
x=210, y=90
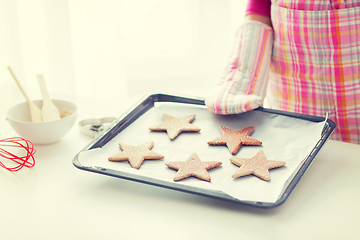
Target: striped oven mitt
x=242, y=86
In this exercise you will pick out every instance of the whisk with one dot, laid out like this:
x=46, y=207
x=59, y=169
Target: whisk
x=25, y=157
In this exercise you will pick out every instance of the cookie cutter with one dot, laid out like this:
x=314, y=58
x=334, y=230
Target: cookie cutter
x=94, y=126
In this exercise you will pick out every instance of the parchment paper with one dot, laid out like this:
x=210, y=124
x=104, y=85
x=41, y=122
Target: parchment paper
x=284, y=139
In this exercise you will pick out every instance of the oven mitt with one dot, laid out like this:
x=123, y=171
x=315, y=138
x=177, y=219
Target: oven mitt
x=242, y=86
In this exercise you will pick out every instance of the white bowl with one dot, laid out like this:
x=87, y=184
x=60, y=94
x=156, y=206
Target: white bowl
x=42, y=132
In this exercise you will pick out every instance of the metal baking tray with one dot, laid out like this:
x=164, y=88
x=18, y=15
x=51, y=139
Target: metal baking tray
x=149, y=102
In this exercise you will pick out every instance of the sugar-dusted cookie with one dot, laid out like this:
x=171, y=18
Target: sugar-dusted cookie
x=174, y=126
x=136, y=154
x=193, y=167
x=234, y=139
x=257, y=165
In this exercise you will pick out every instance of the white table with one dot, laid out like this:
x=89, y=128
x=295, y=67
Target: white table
x=55, y=200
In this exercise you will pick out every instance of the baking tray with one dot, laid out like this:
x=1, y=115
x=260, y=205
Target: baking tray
x=149, y=102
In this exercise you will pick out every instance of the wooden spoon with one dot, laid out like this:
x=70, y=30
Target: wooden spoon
x=35, y=111
x=49, y=111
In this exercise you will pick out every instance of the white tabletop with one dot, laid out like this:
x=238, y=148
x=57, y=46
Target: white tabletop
x=55, y=200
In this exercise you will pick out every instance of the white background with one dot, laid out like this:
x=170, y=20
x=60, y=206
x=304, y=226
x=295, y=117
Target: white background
x=87, y=47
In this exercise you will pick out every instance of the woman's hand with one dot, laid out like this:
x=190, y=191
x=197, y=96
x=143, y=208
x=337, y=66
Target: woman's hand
x=242, y=87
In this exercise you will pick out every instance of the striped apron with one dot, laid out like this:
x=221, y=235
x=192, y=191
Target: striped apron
x=315, y=67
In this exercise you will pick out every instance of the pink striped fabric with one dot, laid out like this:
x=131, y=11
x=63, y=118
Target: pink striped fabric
x=315, y=65
x=242, y=86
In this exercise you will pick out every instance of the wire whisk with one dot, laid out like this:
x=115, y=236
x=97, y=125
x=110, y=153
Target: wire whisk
x=15, y=159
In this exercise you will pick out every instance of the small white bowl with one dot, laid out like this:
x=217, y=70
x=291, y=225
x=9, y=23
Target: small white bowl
x=42, y=132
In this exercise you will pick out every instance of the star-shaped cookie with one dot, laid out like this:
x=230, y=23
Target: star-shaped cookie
x=174, y=126
x=193, y=167
x=257, y=165
x=234, y=139
x=136, y=154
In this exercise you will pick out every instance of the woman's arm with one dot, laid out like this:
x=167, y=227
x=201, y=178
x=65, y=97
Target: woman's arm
x=242, y=86
x=258, y=10
x=259, y=18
